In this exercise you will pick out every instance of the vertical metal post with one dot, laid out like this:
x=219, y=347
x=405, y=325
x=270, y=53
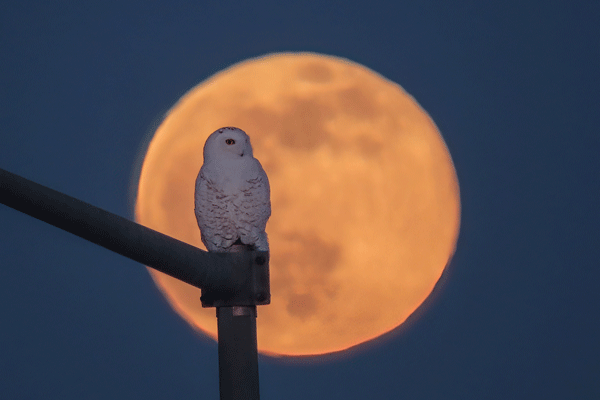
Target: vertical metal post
x=238, y=355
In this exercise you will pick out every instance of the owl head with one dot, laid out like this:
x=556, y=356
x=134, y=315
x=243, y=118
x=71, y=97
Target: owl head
x=227, y=143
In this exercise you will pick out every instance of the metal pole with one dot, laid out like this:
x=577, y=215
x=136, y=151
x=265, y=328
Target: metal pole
x=234, y=282
x=217, y=272
x=238, y=355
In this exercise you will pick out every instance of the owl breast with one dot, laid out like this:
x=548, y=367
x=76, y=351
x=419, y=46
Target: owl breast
x=225, y=214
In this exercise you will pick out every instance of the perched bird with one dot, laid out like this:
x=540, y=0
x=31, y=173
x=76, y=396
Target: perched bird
x=232, y=198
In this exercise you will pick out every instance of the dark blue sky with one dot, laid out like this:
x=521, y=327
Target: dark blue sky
x=515, y=90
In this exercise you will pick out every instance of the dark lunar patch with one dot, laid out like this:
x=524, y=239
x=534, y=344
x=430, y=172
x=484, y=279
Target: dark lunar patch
x=302, y=305
x=305, y=131
x=314, y=72
x=358, y=102
x=369, y=147
x=305, y=266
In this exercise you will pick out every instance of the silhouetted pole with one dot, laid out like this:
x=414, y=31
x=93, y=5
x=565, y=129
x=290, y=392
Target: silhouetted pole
x=233, y=282
x=238, y=354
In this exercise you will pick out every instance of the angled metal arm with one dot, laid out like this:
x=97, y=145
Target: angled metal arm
x=233, y=282
x=243, y=276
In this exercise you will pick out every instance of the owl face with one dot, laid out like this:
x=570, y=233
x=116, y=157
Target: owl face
x=227, y=143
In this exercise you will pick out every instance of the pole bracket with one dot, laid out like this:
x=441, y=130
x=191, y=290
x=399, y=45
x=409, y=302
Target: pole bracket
x=254, y=286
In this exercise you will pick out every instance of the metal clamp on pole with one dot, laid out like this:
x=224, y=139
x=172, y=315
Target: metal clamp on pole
x=254, y=287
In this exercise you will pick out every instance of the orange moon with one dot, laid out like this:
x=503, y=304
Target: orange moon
x=365, y=199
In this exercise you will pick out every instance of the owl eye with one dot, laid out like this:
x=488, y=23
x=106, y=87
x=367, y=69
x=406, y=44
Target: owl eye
x=230, y=141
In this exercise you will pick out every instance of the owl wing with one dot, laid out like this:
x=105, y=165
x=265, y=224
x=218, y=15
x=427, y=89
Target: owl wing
x=217, y=230
x=253, y=209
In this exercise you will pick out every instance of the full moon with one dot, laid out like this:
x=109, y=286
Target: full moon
x=365, y=199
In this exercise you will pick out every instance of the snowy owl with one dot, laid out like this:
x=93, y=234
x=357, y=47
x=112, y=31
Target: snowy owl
x=232, y=198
